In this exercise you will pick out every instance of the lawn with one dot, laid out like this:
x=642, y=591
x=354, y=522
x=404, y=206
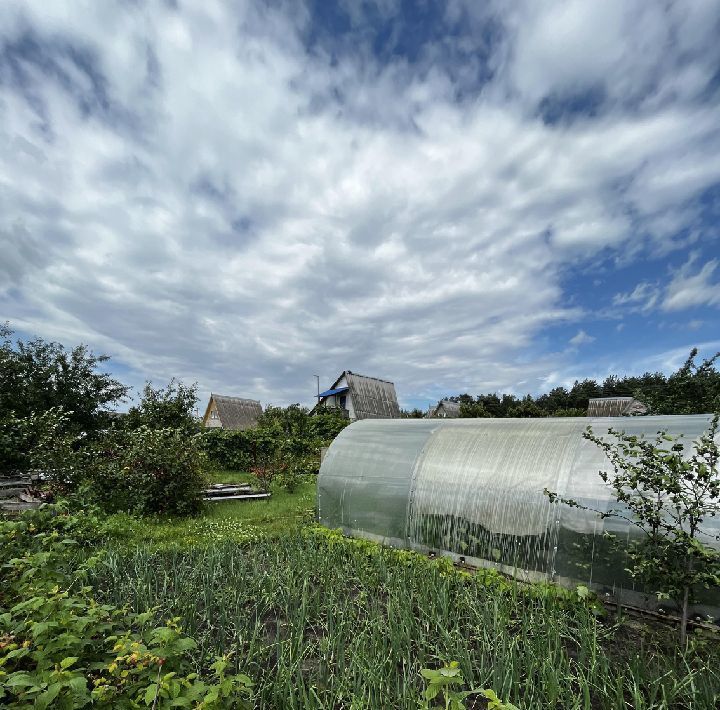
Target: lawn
x=237, y=521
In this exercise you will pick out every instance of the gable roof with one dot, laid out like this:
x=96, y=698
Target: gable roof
x=450, y=409
x=372, y=397
x=615, y=407
x=236, y=412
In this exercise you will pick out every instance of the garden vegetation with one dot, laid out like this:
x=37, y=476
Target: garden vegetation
x=129, y=592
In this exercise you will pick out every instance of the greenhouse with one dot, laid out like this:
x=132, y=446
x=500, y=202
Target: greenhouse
x=472, y=489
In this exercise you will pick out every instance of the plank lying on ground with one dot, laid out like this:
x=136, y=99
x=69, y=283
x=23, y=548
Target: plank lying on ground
x=246, y=496
x=222, y=486
x=18, y=506
x=7, y=492
x=214, y=492
x=12, y=482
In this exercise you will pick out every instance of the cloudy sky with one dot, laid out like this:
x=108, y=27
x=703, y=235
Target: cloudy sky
x=457, y=196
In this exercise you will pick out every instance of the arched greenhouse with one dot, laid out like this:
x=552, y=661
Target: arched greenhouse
x=473, y=489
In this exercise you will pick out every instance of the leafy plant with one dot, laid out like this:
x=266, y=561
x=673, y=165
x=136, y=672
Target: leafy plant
x=41, y=441
x=150, y=471
x=282, y=433
x=447, y=681
x=170, y=407
x=667, y=497
x=60, y=648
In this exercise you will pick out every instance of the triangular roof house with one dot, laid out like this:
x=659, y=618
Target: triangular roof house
x=232, y=413
x=615, y=407
x=361, y=397
x=444, y=409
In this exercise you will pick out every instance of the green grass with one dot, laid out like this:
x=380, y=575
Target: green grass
x=236, y=521
x=319, y=621
x=231, y=477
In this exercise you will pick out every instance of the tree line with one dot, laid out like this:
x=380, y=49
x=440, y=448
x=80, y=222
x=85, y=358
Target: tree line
x=693, y=389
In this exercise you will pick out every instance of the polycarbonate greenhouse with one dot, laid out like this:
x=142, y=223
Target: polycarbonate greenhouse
x=473, y=489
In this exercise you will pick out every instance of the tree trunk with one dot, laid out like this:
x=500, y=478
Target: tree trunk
x=684, y=618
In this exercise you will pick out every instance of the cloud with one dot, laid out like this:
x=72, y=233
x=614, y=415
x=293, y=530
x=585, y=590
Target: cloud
x=221, y=192
x=643, y=297
x=690, y=287
x=581, y=338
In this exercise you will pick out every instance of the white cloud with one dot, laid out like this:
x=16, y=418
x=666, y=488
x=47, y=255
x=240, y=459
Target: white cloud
x=241, y=212
x=691, y=287
x=581, y=338
x=643, y=297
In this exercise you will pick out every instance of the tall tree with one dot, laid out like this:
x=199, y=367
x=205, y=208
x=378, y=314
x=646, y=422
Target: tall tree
x=169, y=407
x=37, y=375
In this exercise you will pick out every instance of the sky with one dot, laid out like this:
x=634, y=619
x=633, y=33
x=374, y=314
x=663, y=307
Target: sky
x=456, y=196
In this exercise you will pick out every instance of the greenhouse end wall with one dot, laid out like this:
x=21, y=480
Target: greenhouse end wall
x=473, y=489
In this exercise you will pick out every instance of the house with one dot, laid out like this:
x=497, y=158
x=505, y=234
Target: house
x=444, y=409
x=231, y=412
x=615, y=407
x=361, y=397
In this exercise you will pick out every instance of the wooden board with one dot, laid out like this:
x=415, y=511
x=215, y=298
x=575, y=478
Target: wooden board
x=246, y=496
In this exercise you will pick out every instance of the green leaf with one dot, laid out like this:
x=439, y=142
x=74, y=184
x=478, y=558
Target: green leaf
x=432, y=691
x=20, y=680
x=67, y=662
x=150, y=693
x=43, y=701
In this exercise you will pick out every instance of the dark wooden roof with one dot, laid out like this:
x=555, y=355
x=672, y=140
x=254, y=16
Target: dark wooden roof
x=444, y=408
x=372, y=397
x=235, y=412
x=615, y=407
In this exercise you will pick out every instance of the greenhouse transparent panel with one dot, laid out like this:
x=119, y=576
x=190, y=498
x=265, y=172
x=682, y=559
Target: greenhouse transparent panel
x=473, y=489
x=364, y=481
x=478, y=490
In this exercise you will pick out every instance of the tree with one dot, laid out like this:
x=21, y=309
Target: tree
x=39, y=441
x=693, y=389
x=414, y=413
x=36, y=376
x=473, y=410
x=169, y=407
x=667, y=497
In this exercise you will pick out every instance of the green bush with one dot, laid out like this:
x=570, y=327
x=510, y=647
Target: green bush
x=40, y=441
x=281, y=433
x=149, y=471
x=228, y=450
x=169, y=407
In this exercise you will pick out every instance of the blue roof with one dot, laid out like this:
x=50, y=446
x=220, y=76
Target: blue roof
x=327, y=393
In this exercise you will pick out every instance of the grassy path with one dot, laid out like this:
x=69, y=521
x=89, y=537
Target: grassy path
x=235, y=521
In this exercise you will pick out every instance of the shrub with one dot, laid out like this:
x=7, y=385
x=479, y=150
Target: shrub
x=295, y=470
x=232, y=450
x=150, y=471
x=289, y=432
x=40, y=441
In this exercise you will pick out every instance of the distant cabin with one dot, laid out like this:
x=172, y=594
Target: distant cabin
x=233, y=413
x=444, y=409
x=360, y=397
x=615, y=407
